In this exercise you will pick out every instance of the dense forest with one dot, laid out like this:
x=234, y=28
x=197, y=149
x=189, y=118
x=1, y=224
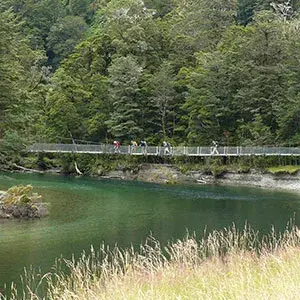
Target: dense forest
x=188, y=71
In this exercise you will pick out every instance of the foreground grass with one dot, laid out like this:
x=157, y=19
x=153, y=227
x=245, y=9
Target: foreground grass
x=240, y=277
x=226, y=264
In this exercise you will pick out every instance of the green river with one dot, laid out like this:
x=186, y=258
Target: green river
x=87, y=211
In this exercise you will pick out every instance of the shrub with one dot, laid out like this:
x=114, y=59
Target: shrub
x=20, y=195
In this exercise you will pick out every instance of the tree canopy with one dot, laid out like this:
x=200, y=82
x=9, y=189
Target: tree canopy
x=188, y=71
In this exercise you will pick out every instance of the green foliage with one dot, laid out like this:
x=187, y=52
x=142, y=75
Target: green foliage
x=161, y=7
x=255, y=133
x=188, y=71
x=124, y=76
x=78, y=7
x=12, y=142
x=64, y=35
x=241, y=89
x=18, y=77
x=62, y=116
x=41, y=161
x=245, y=11
x=204, y=21
x=291, y=170
x=163, y=96
x=38, y=17
x=67, y=164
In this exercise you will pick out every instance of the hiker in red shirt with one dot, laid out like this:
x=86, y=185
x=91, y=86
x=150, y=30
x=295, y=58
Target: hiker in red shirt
x=117, y=146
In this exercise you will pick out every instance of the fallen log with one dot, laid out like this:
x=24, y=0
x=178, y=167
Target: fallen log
x=27, y=169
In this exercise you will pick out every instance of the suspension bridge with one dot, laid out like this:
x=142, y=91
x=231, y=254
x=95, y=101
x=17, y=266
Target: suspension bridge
x=161, y=151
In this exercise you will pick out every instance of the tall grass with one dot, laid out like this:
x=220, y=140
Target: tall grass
x=225, y=264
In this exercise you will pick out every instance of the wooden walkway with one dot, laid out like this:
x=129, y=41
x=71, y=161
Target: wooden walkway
x=161, y=151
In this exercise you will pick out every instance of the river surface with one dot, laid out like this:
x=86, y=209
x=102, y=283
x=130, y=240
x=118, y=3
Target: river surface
x=87, y=211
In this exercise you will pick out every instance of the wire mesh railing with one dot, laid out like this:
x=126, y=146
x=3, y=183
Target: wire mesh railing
x=159, y=150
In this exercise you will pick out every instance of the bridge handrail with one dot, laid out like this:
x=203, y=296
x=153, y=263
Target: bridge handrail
x=160, y=150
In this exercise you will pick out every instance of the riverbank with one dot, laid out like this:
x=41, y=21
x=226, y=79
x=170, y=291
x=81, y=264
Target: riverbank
x=265, y=172
x=169, y=174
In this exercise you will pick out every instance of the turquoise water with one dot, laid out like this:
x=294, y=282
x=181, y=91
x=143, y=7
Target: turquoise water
x=87, y=211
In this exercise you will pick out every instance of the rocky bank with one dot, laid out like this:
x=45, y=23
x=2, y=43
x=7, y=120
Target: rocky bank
x=169, y=174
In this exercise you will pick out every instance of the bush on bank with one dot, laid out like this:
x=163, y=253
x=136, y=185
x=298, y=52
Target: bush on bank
x=20, y=195
x=91, y=164
x=21, y=202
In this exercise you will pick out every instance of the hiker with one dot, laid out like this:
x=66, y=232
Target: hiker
x=144, y=146
x=117, y=146
x=167, y=147
x=133, y=146
x=215, y=148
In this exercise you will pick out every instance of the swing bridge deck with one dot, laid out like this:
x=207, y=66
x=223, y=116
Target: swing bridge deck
x=161, y=151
